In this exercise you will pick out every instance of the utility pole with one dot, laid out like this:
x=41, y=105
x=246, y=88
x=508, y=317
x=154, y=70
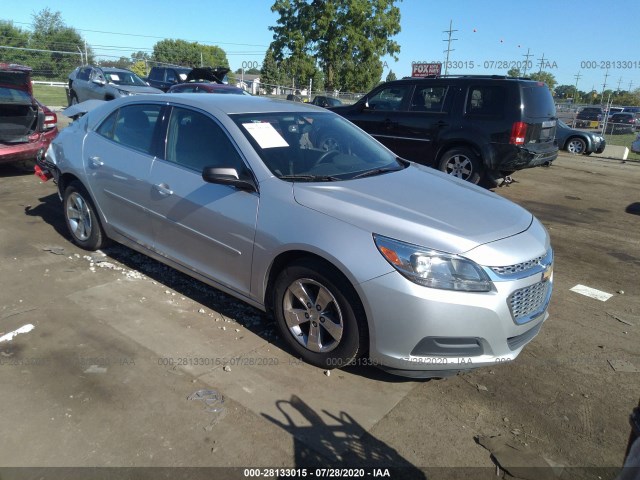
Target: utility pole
x=526, y=62
x=619, y=82
x=449, y=49
x=604, y=85
x=541, y=60
x=577, y=77
x=630, y=84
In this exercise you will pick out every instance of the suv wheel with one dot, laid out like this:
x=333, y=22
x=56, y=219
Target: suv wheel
x=576, y=145
x=318, y=315
x=461, y=162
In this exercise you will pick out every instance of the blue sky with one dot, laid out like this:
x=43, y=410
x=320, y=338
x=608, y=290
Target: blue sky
x=490, y=34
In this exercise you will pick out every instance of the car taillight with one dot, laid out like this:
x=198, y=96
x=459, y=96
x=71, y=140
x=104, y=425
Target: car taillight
x=50, y=120
x=518, y=133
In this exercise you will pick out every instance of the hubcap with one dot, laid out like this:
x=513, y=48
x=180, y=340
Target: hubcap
x=575, y=146
x=459, y=166
x=313, y=315
x=78, y=216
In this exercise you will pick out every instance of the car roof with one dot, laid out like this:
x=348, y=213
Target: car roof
x=226, y=104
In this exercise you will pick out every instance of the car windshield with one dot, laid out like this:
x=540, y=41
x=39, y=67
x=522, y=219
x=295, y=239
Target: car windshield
x=124, y=78
x=314, y=146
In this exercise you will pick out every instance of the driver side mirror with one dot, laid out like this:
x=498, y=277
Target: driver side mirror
x=99, y=81
x=227, y=176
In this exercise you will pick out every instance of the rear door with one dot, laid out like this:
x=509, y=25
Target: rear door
x=81, y=84
x=418, y=128
x=118, y=156
x=209, y=228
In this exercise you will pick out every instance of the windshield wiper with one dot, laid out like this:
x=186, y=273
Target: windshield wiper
x=376, y=171
x=310, y=178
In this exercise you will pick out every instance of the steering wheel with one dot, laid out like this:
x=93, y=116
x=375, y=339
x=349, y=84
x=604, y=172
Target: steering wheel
x=323, y=158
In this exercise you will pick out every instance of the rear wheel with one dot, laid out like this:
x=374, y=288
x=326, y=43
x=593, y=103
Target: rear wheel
x=576, y=146
x=319, y=315
x=461, y=162
x=82, y=219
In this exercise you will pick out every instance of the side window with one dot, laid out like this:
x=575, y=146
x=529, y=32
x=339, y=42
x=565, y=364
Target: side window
x=171, y=75
x=389, y=98
x=156, y=74
x=106, y=128
x=428, y=99
x=83, y=73
x=195, y=141
x=134, y=126
x=486, y=100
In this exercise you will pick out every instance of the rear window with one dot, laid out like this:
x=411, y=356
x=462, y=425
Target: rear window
x=486, y=100
x=11, y=95
x=538, y=102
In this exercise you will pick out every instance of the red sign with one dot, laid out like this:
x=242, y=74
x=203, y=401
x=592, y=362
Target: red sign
x=425, y=69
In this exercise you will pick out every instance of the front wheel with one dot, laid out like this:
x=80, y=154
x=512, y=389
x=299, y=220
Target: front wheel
x=82, y=219
x=319, y=315
x=576, y=146
x=461, y=162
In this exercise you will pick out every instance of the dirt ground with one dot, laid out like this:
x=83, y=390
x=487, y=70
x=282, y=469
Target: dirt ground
x=113, y=372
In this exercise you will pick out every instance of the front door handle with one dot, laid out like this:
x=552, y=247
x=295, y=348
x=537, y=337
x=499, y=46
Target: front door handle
x=96, y=161
x=163, y=189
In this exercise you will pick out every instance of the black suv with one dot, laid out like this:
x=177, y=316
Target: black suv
x=164, y=77
x=473, y=127
x=589, y=117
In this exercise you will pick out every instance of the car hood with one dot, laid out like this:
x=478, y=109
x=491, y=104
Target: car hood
x=420, y=206
x=139, y=90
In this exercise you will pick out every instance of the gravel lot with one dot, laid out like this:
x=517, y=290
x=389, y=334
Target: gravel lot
x=122, y=348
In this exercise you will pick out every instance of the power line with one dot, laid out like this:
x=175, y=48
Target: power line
x=526, y=62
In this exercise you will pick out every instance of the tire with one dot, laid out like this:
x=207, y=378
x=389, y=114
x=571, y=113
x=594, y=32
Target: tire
x=461, y=162
x=576, y=146
x=310, y=296
x=81, y=218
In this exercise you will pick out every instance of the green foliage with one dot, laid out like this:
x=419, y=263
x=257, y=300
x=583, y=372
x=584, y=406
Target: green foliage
x=13, y=37
x=139, y=68
x=545, y=77
x=344, y=38
x=189, y=54
x=514, y=72
x=122, y=62
x=49, y=32
x=270, y=73
x=391, y=76
x=251, y=71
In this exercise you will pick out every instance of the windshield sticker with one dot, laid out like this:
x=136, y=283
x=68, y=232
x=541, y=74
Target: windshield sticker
x=265, y=135
x=114, y=77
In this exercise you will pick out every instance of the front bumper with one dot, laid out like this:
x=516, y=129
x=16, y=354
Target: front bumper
x=427, y=332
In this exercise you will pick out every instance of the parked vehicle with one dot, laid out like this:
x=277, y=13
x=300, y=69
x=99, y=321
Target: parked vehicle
x=589, y=117
x=26, y=126
x=164, y=78
x=578, y=142
x=469, y=126
x=631, y=110
x=105, y=83
x=635, y=145
x=324, y=101
x=622, y=123
x=207, y=80
x=358, y=254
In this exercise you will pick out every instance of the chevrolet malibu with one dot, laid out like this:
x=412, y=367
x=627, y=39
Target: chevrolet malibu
x=361, y=256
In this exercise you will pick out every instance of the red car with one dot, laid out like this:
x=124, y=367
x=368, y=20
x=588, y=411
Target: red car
x=207, y=80
x=26, y=126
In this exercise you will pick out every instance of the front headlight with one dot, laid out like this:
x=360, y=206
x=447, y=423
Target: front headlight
x=433, y=269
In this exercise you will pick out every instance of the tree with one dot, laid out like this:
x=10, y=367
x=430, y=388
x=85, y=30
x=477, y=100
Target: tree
x=545, y=77
x=51, y=33
x=391, y=76
x=189, y=54
x=270, y=73
x=14, y=37
x=514, y=72
x=122, y=62
x=345, y=38
x=140, y=68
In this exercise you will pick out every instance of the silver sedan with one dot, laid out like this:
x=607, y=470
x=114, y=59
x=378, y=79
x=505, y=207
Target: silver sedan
x=361, y=256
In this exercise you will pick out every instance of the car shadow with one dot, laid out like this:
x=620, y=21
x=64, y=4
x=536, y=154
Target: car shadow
x=9, y=170
x=338, y=441
x=633, y=208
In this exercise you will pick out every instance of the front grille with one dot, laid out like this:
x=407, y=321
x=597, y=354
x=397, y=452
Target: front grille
x=518, y=267
x=527, y=303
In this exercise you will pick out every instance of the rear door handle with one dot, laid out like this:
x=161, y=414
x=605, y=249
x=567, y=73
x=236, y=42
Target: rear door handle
x=96, y=161
x=163, y=189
